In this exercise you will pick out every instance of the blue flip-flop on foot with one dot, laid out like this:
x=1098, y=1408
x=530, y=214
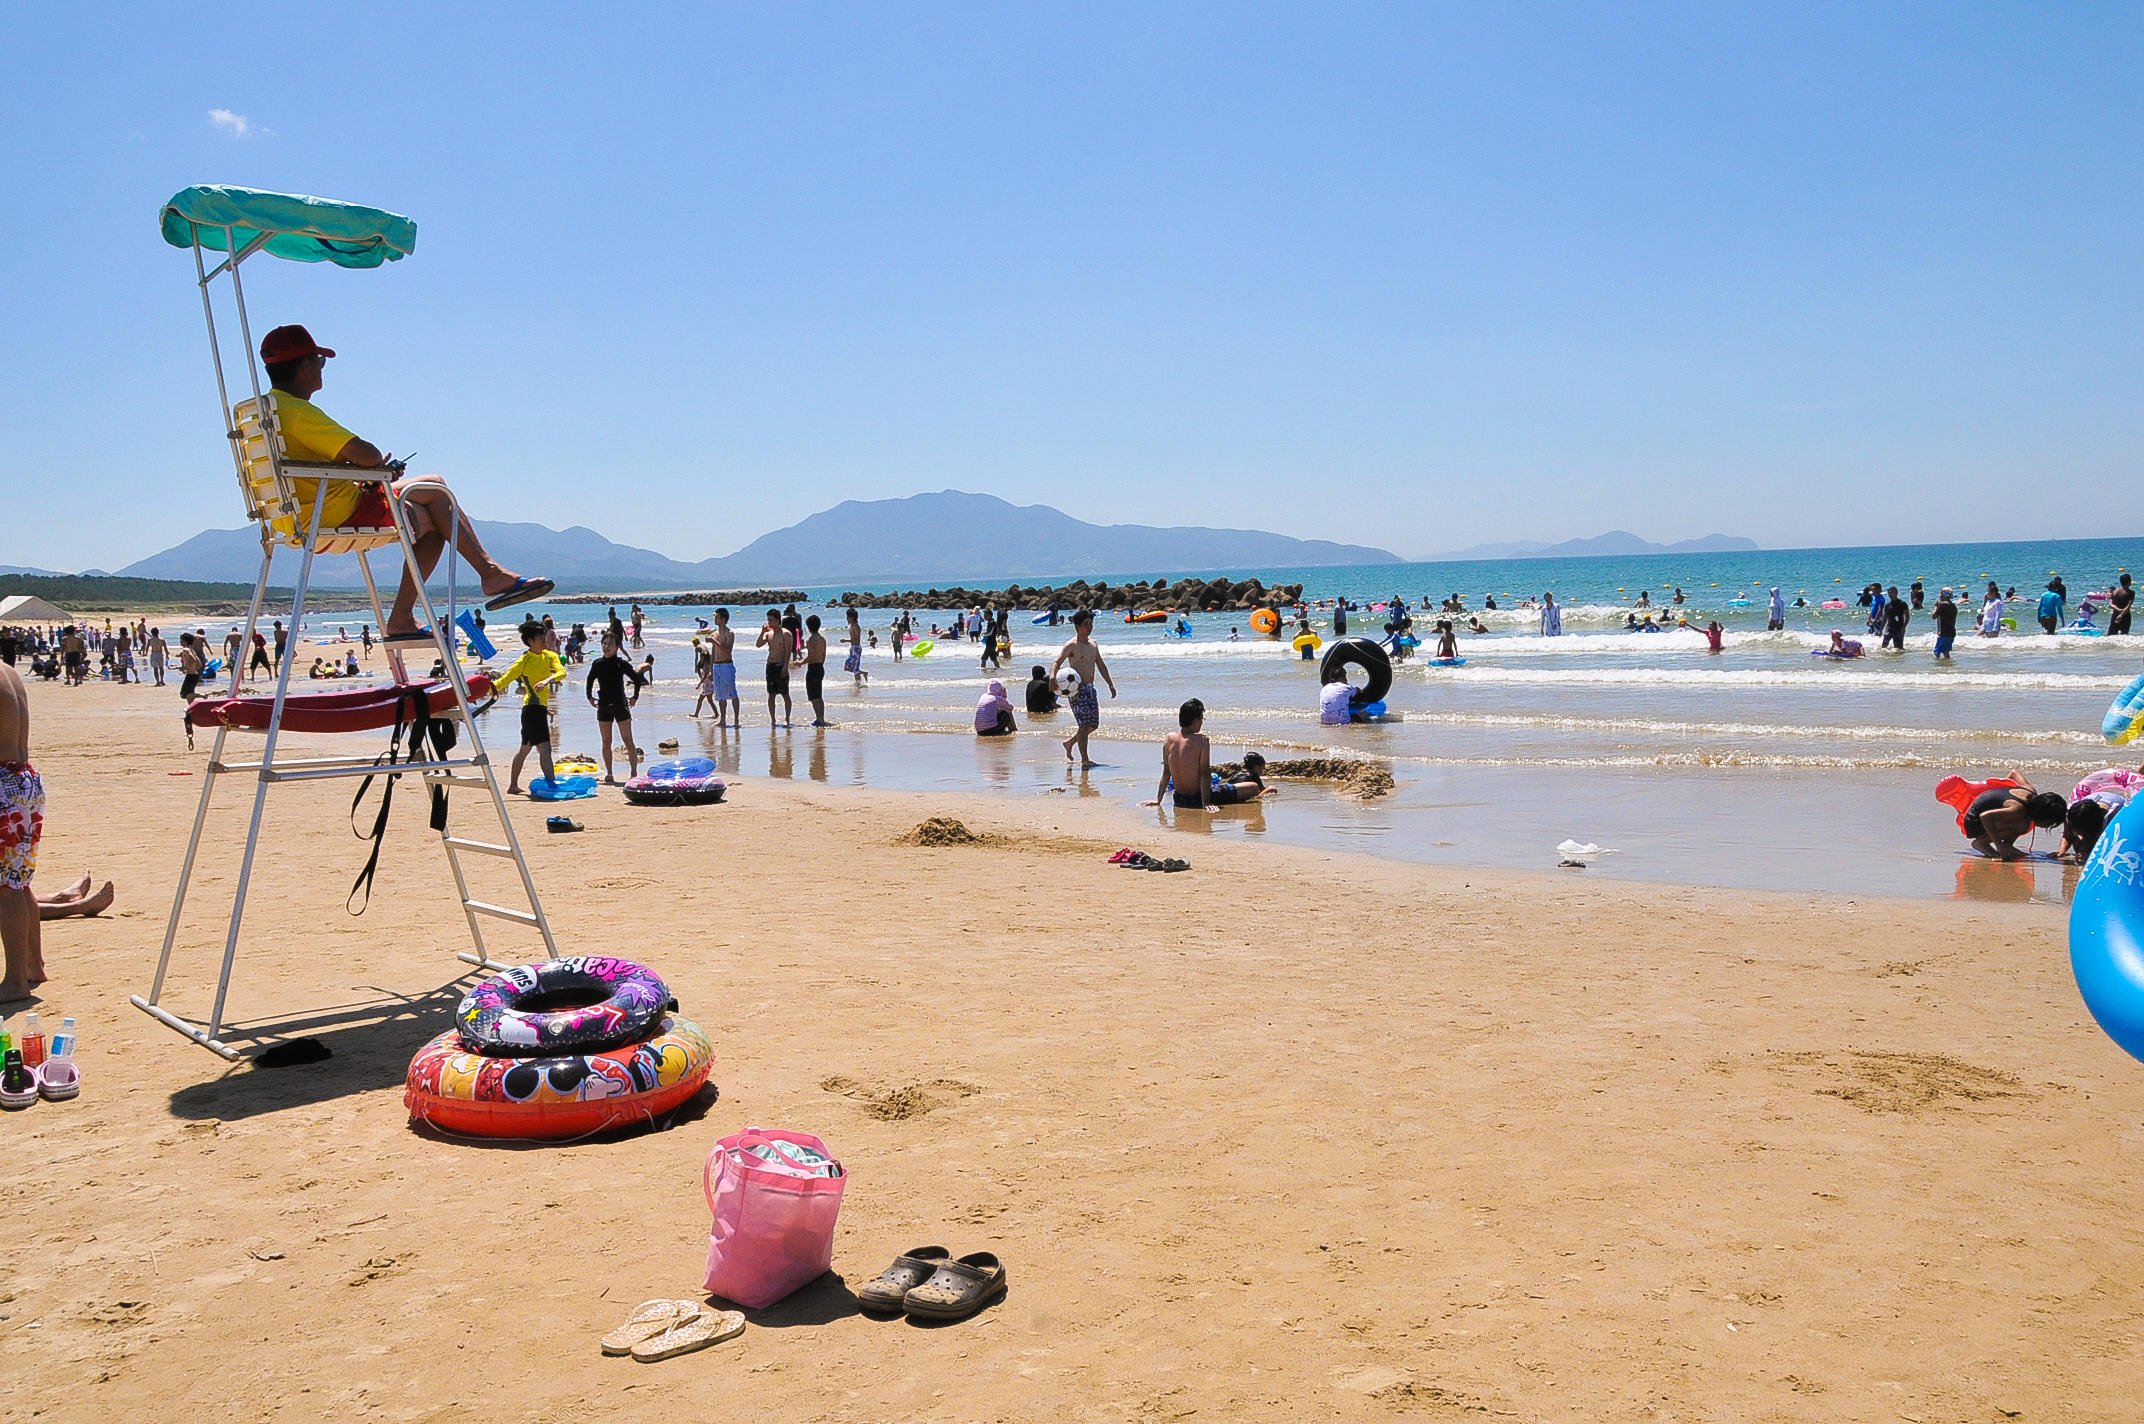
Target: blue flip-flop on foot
x=521, y=590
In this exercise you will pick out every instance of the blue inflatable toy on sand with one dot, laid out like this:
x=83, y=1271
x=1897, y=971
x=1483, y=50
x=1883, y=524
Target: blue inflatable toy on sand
x=566, y=788
x=2107, y=930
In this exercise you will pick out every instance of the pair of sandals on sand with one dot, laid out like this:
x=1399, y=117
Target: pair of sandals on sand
x=1140, y=860
x=664, y=1329
x=928, y=1284
x=56, y=1080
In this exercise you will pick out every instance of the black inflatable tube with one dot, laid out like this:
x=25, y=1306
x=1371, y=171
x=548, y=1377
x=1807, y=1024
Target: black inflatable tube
x=1362, y=653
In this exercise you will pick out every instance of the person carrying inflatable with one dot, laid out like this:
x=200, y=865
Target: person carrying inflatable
x=1992, y=814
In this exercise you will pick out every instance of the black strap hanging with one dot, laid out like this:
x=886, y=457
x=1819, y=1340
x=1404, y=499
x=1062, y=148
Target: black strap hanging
x=438, y=735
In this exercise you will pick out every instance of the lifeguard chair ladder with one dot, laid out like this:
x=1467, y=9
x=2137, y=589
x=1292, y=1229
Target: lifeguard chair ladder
x=240, y=222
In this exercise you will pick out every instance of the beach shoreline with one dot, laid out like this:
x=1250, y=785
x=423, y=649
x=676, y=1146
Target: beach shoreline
x=1296, y=1133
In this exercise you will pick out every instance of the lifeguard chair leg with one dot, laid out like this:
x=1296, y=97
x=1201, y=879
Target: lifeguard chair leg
x=260, y=790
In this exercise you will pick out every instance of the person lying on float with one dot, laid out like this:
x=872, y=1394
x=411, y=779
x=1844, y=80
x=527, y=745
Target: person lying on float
x=296, y=366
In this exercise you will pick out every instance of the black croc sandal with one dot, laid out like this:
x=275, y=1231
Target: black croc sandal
x=909, y=1270
x=958, y=1290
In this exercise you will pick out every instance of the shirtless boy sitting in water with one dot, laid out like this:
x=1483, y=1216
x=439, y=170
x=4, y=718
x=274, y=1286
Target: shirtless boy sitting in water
x=1187, y=763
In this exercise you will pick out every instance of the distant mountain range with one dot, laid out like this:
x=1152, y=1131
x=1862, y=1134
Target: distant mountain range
x=1615, y=541
x=943, y=536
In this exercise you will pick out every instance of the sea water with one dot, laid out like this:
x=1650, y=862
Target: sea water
x=1758, y=766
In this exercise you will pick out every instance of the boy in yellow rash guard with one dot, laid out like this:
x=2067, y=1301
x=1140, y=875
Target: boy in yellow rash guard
x=539, y=670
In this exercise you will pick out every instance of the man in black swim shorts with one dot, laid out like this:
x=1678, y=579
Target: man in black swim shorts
x=781, y=647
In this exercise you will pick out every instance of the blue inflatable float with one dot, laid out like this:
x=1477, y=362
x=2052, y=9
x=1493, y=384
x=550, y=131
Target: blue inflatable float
x=2107, y=930
x=2125, y=715
x=566, y=788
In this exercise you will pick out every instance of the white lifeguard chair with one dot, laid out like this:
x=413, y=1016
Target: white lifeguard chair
x=238, y=222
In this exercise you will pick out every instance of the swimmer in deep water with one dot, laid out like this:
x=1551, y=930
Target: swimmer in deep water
x=2000, y=815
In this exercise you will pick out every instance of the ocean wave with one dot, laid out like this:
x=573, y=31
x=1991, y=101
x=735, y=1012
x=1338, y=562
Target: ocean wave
x=1830, y=675
x=1755, y=730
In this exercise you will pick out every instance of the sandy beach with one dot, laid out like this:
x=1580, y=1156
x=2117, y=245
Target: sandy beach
x=1293, y=1135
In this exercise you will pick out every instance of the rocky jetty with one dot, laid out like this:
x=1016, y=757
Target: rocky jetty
x=740, y=597
x=1187, y=594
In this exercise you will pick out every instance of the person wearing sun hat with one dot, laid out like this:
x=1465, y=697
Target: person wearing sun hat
x=295, y=364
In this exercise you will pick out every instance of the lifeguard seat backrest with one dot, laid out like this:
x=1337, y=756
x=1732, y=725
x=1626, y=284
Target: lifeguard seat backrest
x=258, y=446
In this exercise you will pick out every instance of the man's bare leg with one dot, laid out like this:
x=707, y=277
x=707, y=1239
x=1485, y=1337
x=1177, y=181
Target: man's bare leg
x=428, y=501
x=68, y=905
x=20, y=936
x=610, y=772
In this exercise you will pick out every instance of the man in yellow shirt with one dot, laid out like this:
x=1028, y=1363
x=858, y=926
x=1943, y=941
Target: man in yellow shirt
x=541, y=671
x=295, y=365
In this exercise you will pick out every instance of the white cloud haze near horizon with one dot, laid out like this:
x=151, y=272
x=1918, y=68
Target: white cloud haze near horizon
x=1414, y=276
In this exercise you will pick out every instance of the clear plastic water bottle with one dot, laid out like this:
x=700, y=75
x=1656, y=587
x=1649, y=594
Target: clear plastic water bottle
x=7, y=1038
x=63, y=1041
x=33, y=1041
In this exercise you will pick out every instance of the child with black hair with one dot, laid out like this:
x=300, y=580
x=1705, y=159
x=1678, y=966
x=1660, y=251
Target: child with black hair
x=540, y=671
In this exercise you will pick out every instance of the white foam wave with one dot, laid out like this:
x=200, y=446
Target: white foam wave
x=1753, y=730
x=1830, y=675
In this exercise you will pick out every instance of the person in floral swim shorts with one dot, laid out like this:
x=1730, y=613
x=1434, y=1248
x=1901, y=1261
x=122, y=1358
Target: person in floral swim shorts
x=22, y=821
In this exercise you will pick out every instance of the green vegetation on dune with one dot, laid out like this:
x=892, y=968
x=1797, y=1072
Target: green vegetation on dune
x=85, y=593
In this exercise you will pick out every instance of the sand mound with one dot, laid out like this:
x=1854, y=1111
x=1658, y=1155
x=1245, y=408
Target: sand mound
x=1359, y=777
x=945, y=831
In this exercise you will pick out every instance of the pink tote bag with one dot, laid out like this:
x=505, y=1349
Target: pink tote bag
x=774, y=1229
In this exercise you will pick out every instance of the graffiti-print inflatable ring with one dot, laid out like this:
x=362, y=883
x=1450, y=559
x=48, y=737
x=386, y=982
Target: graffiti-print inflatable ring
x=562, y=1005
x=563, y=1096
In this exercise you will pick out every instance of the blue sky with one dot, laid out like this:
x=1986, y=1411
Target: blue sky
x=1418, y=275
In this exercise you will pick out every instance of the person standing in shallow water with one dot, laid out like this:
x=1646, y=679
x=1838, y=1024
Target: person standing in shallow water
x=1086, y=661
x=2120, y=599
x=1946, y=616
x=1551, y=617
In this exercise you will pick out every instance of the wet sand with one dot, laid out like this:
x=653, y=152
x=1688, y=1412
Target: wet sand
x=1298, y=1134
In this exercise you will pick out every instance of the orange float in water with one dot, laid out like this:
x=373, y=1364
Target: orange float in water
x=569, y=1095
x=1265, y=620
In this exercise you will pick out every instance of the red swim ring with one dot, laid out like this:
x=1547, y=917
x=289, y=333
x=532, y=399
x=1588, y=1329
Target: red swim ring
x=567, y=1096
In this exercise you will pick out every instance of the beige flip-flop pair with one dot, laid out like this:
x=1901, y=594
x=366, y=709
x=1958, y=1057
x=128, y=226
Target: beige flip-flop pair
x=660, y=1329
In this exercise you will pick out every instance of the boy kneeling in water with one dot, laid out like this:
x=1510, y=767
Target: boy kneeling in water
x=1187, y=766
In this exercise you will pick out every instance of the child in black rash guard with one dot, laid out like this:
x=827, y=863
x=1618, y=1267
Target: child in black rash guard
x=607, y=679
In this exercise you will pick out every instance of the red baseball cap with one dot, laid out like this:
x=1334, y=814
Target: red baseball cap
x=290, y=343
